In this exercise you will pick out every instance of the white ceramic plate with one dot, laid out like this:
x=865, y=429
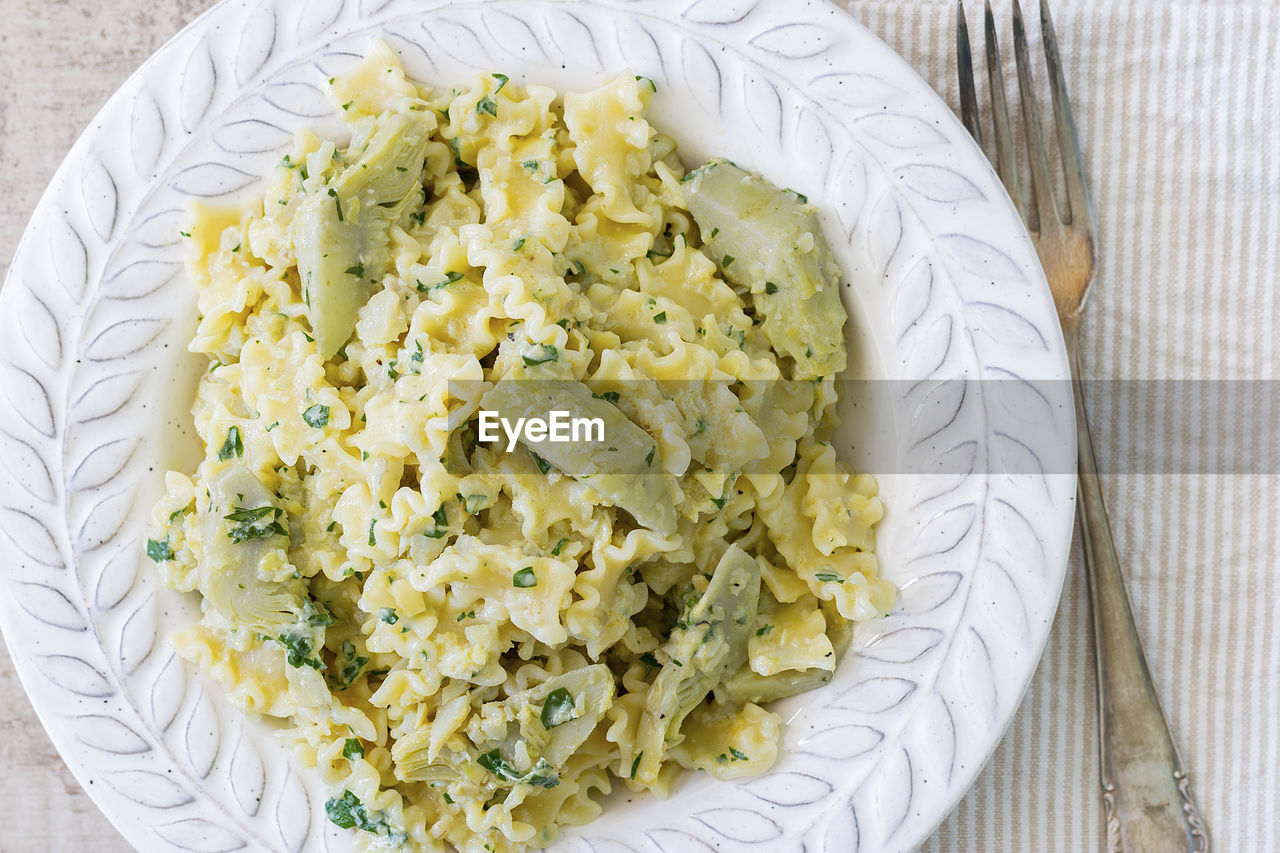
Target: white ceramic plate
x=96, y=314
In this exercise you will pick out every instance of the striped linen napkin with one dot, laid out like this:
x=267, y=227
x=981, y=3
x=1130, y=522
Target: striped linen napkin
x=1178, y=108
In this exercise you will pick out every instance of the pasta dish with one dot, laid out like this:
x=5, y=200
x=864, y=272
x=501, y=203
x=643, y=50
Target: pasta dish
x=469, y=624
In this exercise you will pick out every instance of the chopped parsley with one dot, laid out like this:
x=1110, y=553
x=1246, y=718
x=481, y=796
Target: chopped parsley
x=648, y=459
x=635, y=765
x=542, y=354
x=763, y=631
x=487, y=105
x=441, y=520
x=352, y=748
x=770, y=287
x=254, y=523
x=738, y=755
x=351, y=665
x=524, y=578
x=543, y=465
x=317, y=615
x=388, y=615
x=357, y=270
x=159, y=550
x=557, y=708
x=337, y=202
x=555, y=552
x=519, y=244
x=349, y=813
x=373, y=539
x=541, y=774
x=233, y=446
x=728, y=259
x=298, y=649
x=450, y=278
x=502, y=81
x=828, y=576
x=609, y=397
x=316, y=416
x=660, y=317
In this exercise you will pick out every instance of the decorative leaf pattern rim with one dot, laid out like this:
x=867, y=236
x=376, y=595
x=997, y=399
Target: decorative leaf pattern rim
x=948, y=281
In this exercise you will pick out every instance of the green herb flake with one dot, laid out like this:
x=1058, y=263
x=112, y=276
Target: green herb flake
x=159, y=550
x=352, y=665
x=519, y=244
x=347, y=106
x=635, y=765
x=555, y=552
x=337, y=202
x=450, y=278
x=763, y=631
x=557, y=708
x=714, y=232
x=352, y=748
x=388, y=615
x=654, y=87
x=649, y=660
x=543, y=465
x=233, y=446
x=827, y=577
x=770, y=287
x=660, y=317
x=728, y=259
x=441, y=520
x=738, y=755
x=502, y=81
x=373, y=539
x=542, y=354
x=486, y=105
x=297, y=647
x=357, y=270
x=316, y=416
x=648, y=459
x=524, y=578
x=254, y=523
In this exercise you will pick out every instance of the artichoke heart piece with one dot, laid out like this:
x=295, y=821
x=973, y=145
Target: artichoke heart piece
x=709, y=641
x=236, y=547
x=591, y=692
x=767, y=241
x=342, y=231
x=746, y=685
x=623, y=466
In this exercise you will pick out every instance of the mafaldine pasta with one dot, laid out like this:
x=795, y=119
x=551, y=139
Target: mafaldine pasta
x=517, y=483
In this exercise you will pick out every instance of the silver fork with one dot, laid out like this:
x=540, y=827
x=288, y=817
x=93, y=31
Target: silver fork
x=1145, y=791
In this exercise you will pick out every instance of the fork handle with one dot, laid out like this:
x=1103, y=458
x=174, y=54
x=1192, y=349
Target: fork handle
x=1145, y=791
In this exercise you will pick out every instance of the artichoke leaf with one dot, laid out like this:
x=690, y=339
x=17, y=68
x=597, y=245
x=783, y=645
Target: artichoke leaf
x=769, y=242
x=624, y=467
x=234, y=551
x=709, y=641
x=342, y=231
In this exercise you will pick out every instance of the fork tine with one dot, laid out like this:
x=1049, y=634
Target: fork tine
x=964, y=68
x=1006, y=166
x=1044, y=211
x=1080, y=208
